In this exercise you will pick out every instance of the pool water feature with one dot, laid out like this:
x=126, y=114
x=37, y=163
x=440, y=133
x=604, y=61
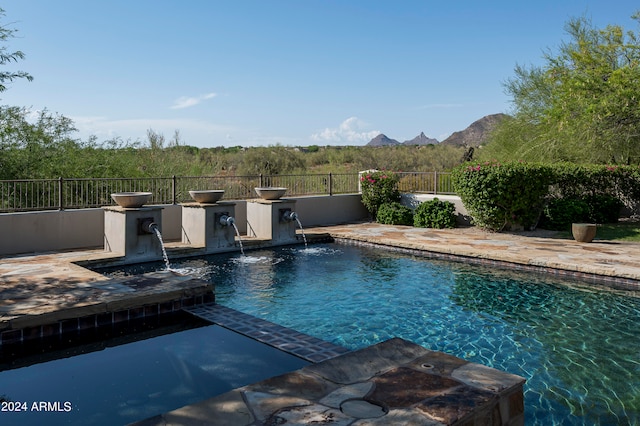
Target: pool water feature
x=235, y=227
x=576, y=346
x=304, y=237
x=131, y=382
x=155, y=229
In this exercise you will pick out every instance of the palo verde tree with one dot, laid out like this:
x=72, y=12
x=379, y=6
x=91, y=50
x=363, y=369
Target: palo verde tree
x=7, y=57
x=582, y=106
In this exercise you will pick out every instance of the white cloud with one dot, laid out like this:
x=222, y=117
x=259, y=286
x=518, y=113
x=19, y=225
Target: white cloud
x=189, y=101
x=350, y=130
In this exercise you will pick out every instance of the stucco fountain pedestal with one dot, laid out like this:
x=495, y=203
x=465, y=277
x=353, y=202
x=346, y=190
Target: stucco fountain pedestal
x=204, y=224
x=129, y=227
x=269, y=217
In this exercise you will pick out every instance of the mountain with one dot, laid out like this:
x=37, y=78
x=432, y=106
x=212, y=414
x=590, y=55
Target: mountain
x=476, y=134
x=382, y=140
x=421, y=139
x=473, y=136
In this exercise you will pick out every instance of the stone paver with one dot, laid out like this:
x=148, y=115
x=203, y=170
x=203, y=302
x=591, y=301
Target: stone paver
x=37, y=290
x=391, y=386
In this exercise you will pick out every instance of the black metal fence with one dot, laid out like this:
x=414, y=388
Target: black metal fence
x=62, y=193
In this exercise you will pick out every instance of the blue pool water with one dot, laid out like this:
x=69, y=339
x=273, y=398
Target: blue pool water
x=578, y=348
x=122, y=384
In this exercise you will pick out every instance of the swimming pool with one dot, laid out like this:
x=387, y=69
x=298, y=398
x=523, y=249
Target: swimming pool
x=578, y=348
x=126, y=383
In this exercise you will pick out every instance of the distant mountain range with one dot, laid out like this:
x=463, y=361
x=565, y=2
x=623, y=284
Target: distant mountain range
x=473, y=136
x=383, y=140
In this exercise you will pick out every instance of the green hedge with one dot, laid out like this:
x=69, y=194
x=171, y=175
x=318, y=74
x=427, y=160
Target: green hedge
x=515, y=195
x=503, y=196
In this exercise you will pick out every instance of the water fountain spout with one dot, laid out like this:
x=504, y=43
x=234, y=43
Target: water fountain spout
x=146, y=226
x=290, y=216
x=226, y=220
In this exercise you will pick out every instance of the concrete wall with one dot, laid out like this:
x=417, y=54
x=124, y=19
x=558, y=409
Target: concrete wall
x=317, y=211
x=50, y=230
x=462, y=215
x=42, y=231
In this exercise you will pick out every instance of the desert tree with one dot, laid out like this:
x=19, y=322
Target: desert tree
x=7, y=57
x=582, y=105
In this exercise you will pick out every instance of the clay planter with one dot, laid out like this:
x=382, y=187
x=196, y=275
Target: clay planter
x=131, y=199
x=583, y=232
x=208, y=196
x=270, y=192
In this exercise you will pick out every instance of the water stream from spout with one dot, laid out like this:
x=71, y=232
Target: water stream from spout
x=164, y=251
x=304, y=237
x=239, y=238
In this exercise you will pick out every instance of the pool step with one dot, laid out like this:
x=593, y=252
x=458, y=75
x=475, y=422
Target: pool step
x=291, y=341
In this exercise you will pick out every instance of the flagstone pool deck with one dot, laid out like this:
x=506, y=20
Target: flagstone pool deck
x=38, y=290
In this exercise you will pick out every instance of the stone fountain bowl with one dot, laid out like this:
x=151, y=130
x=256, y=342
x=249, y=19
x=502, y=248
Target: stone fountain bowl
x=270, y=192
x=207, y=196
x=131, y=199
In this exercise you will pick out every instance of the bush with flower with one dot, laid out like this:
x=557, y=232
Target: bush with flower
x=379, y=187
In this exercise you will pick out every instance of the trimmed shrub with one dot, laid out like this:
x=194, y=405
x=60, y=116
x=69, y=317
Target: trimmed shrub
x=394, y=214
x=503, y=196
x=379, y=188
x=435, y=214
x=621, y=183
x=560, y=213
x=512, y=195
x=603, y=208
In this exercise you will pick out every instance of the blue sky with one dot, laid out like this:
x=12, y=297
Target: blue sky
x=289, y=72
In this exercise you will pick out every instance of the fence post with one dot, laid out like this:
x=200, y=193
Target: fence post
x=435, y=182
x=261, y=184
x=330, y=184
x=174, y=194
x=60, y=197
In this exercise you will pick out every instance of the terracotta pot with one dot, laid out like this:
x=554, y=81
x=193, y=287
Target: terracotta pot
x=583, y=232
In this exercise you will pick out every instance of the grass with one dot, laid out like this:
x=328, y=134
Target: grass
x=621, y=231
